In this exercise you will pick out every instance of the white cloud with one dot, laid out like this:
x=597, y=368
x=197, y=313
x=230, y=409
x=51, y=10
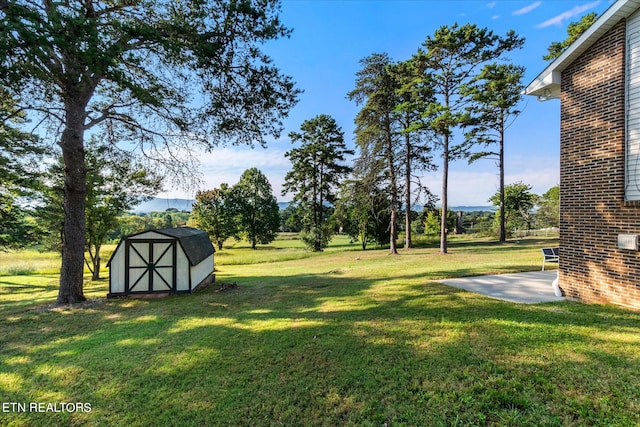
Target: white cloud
x=473, y=185
x=225, y=165
x=527, y=9
x=469, y=185
x=560, y=19
x=492, y=4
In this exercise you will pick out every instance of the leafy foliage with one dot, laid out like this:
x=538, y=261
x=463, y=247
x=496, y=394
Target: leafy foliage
x=362, y=212
x=20, y=156
x=433, y=219
x=518, y=203
x=548, y=214
x=215, y=213
x=291, y=218
x=116, y=183
x=258, y=215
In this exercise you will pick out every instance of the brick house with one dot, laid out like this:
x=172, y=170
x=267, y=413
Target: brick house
x=597, y=80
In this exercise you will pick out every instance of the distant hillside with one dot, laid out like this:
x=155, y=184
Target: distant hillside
x=160, y=205
x=283, y=205
x=473, y=208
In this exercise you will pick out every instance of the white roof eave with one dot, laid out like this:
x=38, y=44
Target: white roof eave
x=546, y=86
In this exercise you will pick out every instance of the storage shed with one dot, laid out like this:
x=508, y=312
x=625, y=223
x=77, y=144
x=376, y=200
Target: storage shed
x=169, y=260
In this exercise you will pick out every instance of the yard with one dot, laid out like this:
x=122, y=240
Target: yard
x=340, y=338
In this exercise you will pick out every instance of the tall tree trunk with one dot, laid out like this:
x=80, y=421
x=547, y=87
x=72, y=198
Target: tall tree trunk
x=96, y=264
x=503, y=231
x=75, y=191
x=407, y=196
x=445, y=184
x=319, y=230
x=393, y=249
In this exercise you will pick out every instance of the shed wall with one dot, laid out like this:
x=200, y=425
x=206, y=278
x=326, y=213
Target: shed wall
x=116, y=270
x=182, y=270
x=201, y=271
x=592, y=178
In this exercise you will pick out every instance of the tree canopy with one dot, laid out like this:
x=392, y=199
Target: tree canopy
x=258, y=215
x=20, y=155
x=157, y=75
x=518, y=203
x=215, y=213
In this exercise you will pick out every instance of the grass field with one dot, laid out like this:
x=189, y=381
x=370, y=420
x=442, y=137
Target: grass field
x=340, y=338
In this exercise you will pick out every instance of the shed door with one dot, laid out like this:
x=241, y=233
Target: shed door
x=150, y=265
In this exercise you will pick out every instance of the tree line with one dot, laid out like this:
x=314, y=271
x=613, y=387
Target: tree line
x=457, y=86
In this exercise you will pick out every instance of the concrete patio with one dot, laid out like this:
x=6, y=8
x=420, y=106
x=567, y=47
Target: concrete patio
x=524, y=288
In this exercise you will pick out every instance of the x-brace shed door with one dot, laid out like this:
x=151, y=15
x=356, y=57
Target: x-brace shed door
x=150, y=265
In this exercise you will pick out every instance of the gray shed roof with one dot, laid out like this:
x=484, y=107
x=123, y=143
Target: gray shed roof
x=196, y=243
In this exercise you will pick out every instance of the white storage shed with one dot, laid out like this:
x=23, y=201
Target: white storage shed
x=170, y=260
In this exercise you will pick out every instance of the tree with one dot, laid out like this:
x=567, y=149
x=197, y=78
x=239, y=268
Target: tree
x=291, y=218
x=317, y=170
x=495, y=94
x=16, y=230
x=413, y=97
x=518, y=203
x=376, y=132
x=362, y=212
x=215, y=212
x=574, y=30
x=447, y=62
x=548, y=214
x=258, y=215
x=433, y=219
x=20, y=157
x=156, y=74
x=116, y=183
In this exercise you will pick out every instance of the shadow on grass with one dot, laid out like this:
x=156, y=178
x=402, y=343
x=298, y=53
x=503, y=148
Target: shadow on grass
x=7, y=286
x=326, y=349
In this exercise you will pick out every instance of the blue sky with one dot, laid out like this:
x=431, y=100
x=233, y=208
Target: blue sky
x=331, y=36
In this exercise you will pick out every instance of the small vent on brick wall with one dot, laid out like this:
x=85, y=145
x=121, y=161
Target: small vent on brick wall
x=628, y=242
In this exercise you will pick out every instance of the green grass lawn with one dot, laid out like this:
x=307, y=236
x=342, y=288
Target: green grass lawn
x=340, y=338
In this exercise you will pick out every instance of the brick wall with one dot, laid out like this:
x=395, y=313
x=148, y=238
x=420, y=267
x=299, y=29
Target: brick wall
x=593, y=211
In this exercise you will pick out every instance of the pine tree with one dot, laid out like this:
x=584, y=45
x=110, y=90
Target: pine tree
x=377, y=134
x=495, y=94
x=447, y=62
x=318, y=168
x=574, y=30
